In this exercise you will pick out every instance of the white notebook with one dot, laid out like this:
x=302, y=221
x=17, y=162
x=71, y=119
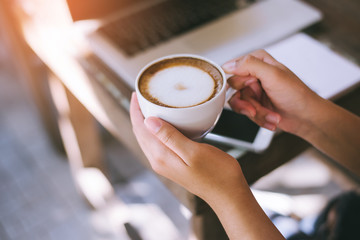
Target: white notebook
x=324, y=71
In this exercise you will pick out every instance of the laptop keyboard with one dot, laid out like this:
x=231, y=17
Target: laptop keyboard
x=151, y=26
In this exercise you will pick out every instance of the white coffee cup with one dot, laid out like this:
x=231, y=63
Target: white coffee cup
x=195, y=121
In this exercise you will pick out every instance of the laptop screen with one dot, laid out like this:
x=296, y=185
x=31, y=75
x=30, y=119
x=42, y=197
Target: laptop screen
x=90, y=9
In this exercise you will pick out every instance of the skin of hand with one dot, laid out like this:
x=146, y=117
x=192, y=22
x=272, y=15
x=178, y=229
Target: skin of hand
x=268, y=92
x=272, y=96
x=180, y=159
x=205, y=171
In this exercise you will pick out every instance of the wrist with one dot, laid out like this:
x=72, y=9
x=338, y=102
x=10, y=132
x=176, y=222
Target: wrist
x=229, y=198
x=243, y=218
x=311, y=121
x=309, y=118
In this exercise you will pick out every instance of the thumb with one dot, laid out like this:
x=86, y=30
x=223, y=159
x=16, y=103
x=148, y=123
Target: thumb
x=169, y=135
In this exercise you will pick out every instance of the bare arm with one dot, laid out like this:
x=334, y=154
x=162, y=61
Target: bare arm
x=334, y=131
x=242, y=217
x=205, y=171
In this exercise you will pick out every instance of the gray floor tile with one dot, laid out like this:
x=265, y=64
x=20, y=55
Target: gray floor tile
x=71, y=229
x=11, y=199
x=13, y=226
x=3, y=233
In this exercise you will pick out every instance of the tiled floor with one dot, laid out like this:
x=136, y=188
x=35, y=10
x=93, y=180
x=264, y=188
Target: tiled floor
x=38, y=199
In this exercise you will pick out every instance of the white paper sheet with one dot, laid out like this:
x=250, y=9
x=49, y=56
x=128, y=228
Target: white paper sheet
x=326, y=72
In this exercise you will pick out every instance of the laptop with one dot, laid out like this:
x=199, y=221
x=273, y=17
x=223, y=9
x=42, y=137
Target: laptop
x=127, y=34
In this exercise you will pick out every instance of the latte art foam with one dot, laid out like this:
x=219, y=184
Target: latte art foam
x=185, y=86
x=181, y=82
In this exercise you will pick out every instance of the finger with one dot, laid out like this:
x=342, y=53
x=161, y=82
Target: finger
x=266, y=57
x=243, y=107
x=136, y=117
x=260, y=54
x=257, y=90
x=264, y=117
x=240, y=82
x=250, y=66
x=142, y=134
x=161, y=159
x=171, y=137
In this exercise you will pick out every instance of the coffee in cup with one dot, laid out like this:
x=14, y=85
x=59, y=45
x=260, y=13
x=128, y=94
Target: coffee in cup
x=188, y=91
x=180, y=82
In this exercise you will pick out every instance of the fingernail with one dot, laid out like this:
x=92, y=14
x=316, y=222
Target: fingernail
x=248, y=82
x=229, y=66
x=269, y=126
x=272, y=118
x=153, y=124
x=246, y=113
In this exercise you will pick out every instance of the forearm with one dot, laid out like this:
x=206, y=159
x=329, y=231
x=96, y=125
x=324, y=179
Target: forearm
x=334, y=131
x=243, y=218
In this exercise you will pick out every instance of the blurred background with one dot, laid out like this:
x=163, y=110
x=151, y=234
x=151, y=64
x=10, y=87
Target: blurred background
x=38, y=197
x=39, y=200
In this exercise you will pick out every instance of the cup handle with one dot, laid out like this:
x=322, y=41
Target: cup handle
x=229, y=93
